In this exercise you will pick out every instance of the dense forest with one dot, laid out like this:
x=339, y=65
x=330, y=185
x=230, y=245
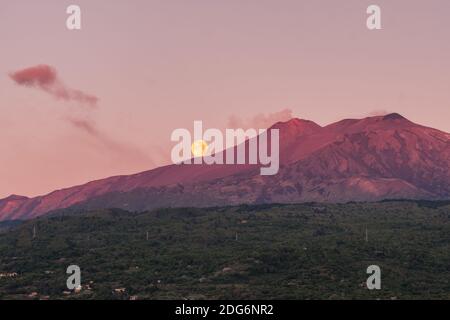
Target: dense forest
x=301, y=251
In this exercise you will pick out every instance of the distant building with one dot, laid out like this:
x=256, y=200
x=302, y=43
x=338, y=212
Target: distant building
x=120, y=290
x=8, y=275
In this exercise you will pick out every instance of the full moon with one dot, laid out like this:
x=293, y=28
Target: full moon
x=199, y=148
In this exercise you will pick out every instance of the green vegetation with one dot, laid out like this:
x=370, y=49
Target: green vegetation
x=303, y=251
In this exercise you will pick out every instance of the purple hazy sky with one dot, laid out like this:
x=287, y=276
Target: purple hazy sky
x=159, y=65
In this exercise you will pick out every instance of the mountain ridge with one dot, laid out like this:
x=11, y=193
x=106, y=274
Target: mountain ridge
x=373, y=158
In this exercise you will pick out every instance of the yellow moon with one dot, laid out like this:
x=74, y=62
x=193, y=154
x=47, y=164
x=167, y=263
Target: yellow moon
x=199, y=148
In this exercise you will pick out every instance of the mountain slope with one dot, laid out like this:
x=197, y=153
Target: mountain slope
x=351, y=160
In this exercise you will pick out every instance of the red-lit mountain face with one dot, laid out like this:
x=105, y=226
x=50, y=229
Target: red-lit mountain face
x=368, y=159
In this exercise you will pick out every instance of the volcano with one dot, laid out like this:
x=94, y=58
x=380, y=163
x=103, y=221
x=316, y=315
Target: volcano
x=370, y=159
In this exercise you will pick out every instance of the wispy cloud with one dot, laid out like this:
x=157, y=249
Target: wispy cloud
x=378, y=112
x=122, y=149
x=259, y=121
x=45, y=77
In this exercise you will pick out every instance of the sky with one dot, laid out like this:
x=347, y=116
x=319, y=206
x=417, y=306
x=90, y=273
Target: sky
x=107, y=97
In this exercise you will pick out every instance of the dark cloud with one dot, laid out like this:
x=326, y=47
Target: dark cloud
x=45, y=77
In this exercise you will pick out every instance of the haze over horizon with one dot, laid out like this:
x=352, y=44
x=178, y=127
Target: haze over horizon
x=139, y=69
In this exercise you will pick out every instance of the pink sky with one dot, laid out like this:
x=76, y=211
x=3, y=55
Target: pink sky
x=159, y=65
